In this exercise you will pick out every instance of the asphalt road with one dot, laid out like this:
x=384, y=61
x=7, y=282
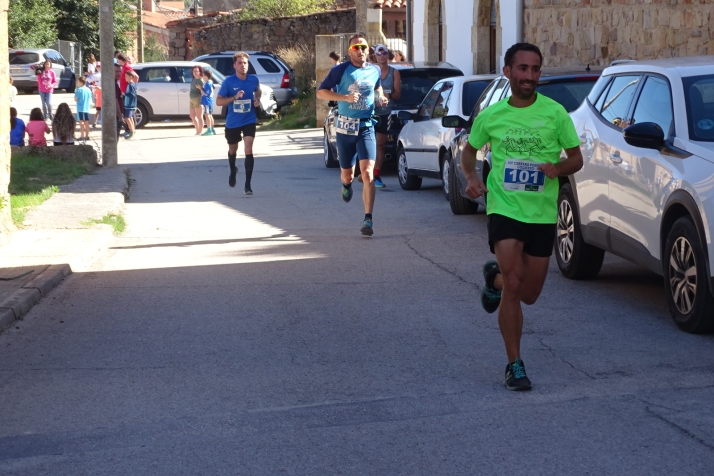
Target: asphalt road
x=233, y=334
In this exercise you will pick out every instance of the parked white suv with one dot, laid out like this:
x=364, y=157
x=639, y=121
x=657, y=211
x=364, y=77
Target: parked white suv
x=646, y=190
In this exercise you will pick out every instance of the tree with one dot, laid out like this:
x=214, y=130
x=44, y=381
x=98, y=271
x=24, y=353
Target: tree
x=31, y=23
x=281, y=8
x=78, y=20
x=154, y=50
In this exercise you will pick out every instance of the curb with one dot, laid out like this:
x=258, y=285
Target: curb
x=19, y=303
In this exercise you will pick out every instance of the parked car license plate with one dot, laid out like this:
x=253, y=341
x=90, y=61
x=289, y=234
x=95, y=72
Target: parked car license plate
x=17, y=71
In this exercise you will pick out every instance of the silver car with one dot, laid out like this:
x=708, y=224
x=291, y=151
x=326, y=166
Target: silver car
x=646, y=189
x=24, y=61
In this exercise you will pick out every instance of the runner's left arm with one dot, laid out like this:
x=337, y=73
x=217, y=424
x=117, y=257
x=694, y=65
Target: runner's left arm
x=569, y=166
x=257, y=94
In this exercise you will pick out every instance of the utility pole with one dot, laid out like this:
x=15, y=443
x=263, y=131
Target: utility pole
x=109, y=106
x=140, y=32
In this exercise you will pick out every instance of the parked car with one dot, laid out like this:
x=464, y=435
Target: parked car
x=163, y=90
x=568, y=89
x=23, y=63
x=645, y=190
x=424, y=144
x=417, y=78
x=270, y=68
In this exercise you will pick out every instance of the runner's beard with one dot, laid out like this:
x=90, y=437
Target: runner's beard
x=519, y=92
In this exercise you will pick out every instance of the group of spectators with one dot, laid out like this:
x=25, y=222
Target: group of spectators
x=395, y=56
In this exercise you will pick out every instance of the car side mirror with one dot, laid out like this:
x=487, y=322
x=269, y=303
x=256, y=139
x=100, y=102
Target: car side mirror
x=405, y=116
x=647, y=135
x=331, y=103
x=454, y=122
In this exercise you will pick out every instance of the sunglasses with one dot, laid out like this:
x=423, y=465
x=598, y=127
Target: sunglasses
x=383, y=53
x=359, y=46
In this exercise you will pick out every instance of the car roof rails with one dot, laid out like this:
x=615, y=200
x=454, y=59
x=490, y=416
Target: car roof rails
x=621, y=61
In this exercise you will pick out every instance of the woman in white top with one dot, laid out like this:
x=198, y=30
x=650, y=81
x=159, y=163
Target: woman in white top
x=91, y=65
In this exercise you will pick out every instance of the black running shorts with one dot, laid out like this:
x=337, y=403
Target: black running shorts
x=537, y=238
x=382, y=124
x=233, y=135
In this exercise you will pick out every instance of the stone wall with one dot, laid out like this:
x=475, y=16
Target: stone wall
x=6, y=225
x=596, y=32
x=269, y=34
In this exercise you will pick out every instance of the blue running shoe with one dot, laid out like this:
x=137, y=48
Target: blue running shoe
x=378, y=182
x=367, y=227
x=346, y=193
x=490, y=296
x=516, y=379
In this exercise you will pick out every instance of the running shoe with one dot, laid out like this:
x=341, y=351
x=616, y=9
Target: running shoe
x=129, y=136
x=378, y=182
x=367, y=227
x=247, y=190
x=490, y=296
x=516, y=379
x=207, y=133
x=346, y=193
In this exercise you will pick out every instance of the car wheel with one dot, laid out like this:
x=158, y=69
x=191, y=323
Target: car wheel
x=72, y=85
x=576, y=259
x=459, y=204
x=406, y=181
x=685, y=279
x=330, y=160
x=141, y=116
x=445, y=170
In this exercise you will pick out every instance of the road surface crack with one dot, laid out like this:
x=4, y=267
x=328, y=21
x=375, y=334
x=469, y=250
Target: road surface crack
x=677, y=427
x=438, y=265
x=555, y=354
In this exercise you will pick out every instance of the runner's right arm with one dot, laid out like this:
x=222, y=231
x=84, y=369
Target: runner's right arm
x=331, y=81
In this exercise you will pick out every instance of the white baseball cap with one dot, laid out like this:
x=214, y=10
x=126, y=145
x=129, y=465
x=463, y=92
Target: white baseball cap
x=381, y=49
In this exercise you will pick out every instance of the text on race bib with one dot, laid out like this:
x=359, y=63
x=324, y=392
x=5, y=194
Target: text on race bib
x=241, y=106
x=346, y=125
x=523, y=176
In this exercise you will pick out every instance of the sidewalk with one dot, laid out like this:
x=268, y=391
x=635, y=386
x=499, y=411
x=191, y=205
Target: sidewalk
x=54, y=241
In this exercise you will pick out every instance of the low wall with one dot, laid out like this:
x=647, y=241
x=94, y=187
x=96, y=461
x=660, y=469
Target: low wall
x=79, y=153
x=580, y=32
x=269, y=34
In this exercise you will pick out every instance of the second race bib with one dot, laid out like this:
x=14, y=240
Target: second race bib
x=241, y=106
x=346, y=125
x=523, y=176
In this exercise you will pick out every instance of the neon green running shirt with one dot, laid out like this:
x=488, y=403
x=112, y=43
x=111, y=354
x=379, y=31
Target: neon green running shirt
x=521, y=138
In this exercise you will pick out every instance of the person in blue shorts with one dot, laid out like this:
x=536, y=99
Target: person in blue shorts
x=83, y=96
x=242, y=92
x=356, y=86
x=207, y=102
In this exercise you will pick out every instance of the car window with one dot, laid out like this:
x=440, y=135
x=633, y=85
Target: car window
x=269, y=65
x=617, y=101
x=484, y=98
x=416, y=83
x=427, y=106
x=441, y=108
x=155, y=75
x=20, y=57
x=55, y=57
x=655, y=104
x=185, y=74
x=568, y=93
x=471, y=91
x=598, y=88
x=498, y=92
x=699, y=98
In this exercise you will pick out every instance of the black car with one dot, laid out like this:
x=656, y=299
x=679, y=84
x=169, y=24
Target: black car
x=418, y=78
x=568, y=89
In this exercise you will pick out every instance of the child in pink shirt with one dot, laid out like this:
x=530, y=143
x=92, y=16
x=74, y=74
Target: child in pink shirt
x=37, y=128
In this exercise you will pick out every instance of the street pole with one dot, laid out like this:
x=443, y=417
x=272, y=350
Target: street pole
x=410, y=32
x=109, y=106
x=140, y=32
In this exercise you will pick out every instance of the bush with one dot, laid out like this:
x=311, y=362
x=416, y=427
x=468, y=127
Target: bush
x=301, y=58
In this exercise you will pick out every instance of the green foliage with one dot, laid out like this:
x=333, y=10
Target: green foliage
x=281, y=8
x=299, y=114
x=31, y=23
x=154, y=50
x=117, y=222
x=78, y=20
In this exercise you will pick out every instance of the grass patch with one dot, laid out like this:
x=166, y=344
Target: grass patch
x=115, y=221
x=299, y=114
x=34, y=179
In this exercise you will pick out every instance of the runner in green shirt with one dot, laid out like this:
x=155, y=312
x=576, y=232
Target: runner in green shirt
x=527, y=133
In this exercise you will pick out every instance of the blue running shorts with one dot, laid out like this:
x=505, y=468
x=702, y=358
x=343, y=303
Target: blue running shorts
x=363, y=144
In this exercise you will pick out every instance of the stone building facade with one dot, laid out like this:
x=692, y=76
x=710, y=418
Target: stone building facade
x=579, y=32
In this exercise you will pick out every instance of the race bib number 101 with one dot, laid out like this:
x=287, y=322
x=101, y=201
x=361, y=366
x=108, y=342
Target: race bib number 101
x=523, y=176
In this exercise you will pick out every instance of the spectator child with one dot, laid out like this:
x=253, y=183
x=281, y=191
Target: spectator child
x=63, y=126
x=46, y=84
x=207, y=102
x=334, y=58
x=98, y=102
x=37, y=128
x=398, y=57
x=13, y=90
x=130, y=102
x=17, y=129
x=83, y=96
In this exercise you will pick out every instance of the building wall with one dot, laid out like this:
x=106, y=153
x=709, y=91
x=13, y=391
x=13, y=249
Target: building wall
x=580, y=32
x=222, y=5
